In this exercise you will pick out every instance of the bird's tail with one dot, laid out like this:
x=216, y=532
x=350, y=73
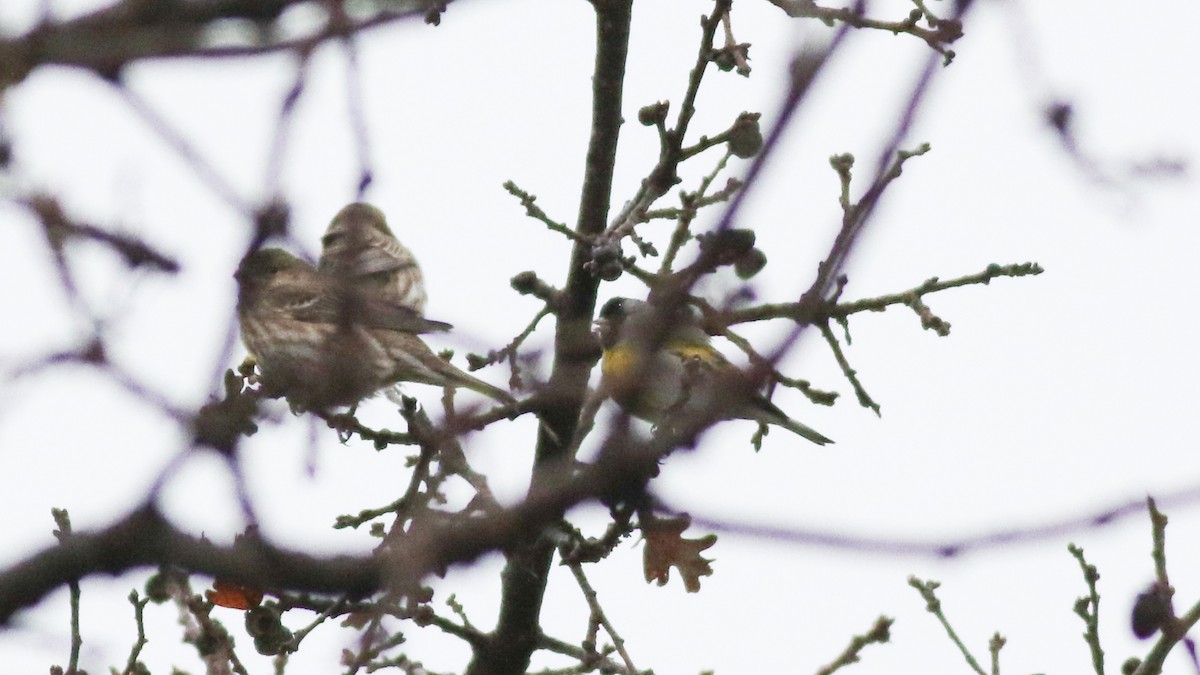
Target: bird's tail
x=414, y=361
x=446, y=375
x=804, y=431
x=477, y=385
x=763, y=410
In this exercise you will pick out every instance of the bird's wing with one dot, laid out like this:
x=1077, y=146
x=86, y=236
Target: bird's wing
x=365, y=258
x=395, y=317
x=698, y=352
x=297, y=302
x=388, y=254
x=309, y=306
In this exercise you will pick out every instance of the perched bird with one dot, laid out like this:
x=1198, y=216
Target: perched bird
x=359, y=247
x=322, y=343
x=683, y=375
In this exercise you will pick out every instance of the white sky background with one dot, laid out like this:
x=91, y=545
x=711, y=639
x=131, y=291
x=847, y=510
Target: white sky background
x=1054, y=396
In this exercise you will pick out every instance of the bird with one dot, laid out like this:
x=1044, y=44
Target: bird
x=359, y=247
x=323, y=343
x=685, y=374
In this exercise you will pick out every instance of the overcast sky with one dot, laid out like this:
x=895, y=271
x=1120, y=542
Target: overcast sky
x=1054, y=396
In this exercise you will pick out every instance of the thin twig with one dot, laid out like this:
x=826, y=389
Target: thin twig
x=864, y=399
x=940, y=34
x=605, y=665
x=663, y=176
x=534, y=211
x=333, y=609
x=598, y=615
x=139, y=607
x=1088, y=609
x=691, y=204
x=880, y=303
x=934, y=607
x=879, y=633
x=63, y=521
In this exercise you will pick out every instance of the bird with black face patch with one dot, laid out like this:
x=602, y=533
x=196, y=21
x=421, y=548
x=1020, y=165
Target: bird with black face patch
x=685, y=374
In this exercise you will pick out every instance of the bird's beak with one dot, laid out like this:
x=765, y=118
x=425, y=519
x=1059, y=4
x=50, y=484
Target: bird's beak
x=604, y=331
x=243, y=270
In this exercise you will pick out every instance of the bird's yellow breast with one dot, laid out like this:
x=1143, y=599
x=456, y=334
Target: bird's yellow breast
x=619, y=362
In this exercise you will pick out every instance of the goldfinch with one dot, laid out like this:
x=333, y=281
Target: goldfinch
x=683, y=375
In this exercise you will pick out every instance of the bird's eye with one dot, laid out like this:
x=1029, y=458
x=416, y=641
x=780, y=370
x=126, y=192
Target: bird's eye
x=330, y=239
x=612, y=308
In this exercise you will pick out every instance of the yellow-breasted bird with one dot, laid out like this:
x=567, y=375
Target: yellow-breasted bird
x=685, y=374
x=359, y=247
x=323, y=343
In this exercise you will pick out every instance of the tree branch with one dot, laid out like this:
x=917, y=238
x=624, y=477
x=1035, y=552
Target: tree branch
x=527, y=571
x=144, y=538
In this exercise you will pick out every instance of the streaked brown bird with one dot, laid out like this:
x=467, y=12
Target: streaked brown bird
x=360, y=248
x=323, y=343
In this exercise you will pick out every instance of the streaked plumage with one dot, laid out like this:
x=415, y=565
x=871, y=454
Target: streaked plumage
x=360, y=248
x=683, y=375
x=323, y=344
